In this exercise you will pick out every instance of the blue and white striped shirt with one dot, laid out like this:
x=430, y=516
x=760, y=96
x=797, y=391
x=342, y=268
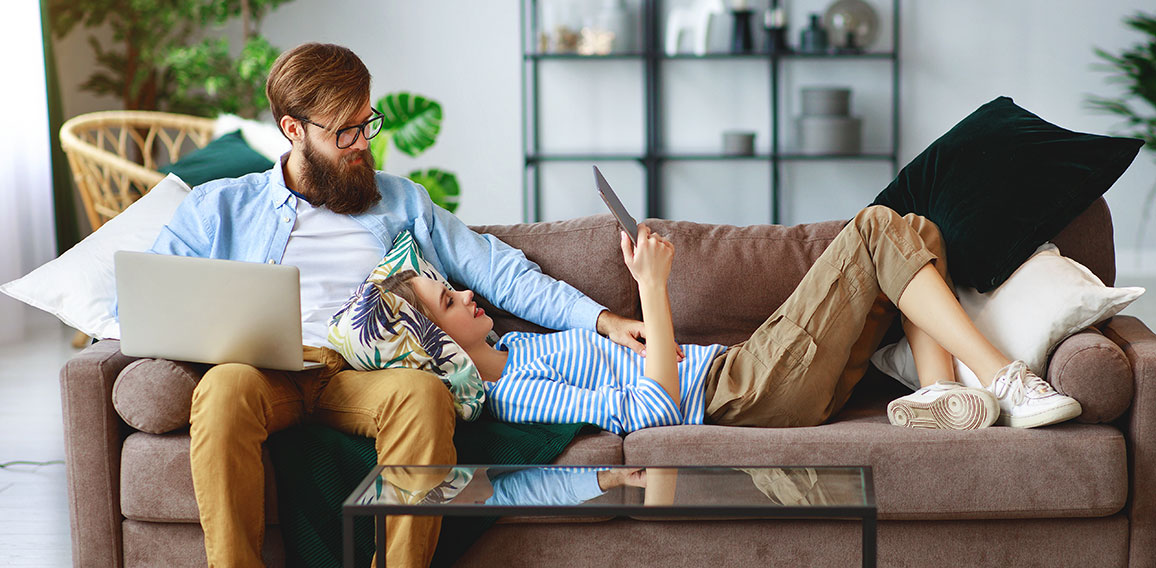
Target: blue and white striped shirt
x=580, y=376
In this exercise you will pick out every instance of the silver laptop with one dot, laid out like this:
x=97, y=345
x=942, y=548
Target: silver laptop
x=209, y=311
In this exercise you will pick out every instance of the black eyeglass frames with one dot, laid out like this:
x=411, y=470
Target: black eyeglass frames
x=347, y=136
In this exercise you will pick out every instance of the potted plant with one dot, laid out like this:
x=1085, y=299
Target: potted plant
x=1135, y=70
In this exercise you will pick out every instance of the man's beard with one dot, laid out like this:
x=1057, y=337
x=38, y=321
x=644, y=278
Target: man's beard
x=341, y=186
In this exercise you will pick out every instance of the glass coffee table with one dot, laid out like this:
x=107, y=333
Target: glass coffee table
x=661, y=493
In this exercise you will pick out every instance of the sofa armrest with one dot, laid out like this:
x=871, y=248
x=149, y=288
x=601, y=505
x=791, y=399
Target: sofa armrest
x=93, y=434
x=1139, y=426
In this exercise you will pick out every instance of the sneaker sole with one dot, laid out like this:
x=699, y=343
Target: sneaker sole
x=1053, y=416
x=953, y=411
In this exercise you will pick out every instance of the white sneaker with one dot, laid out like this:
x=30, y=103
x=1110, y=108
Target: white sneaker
x=1027, y=401
x=945, y=405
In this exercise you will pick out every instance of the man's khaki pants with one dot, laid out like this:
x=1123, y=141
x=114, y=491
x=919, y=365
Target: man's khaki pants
x=799, y=367
x=235, y=408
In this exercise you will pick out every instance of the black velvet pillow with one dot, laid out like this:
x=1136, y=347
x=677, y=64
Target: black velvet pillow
x=1002, y=182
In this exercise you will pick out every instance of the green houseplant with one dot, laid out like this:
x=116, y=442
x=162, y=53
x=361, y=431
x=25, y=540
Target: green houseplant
x=152, y=64
x=412, y=123
x=1135, y=70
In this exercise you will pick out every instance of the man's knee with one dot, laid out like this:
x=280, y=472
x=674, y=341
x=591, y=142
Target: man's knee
x=229, y=380
x=226, y=389
x=420, y=392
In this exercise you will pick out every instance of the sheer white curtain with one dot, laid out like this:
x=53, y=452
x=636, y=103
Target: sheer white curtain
x=27, y=237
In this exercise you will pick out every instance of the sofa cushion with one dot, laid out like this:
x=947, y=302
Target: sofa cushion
x=1002, y=182
x=1066, y=470
x=156, y=480
x=583, y=252
x=156, y=395
x=729, y=279
x=149, y=545
x=1093, y=370
x=600, y=447
x=805, y=542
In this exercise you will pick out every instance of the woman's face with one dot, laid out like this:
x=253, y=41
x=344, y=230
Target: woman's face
x=456, y=313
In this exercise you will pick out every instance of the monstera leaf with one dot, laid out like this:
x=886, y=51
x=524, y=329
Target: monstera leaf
x=442, y=186
x=411, y=121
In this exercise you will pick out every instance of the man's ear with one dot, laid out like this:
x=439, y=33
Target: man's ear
x=292, y=128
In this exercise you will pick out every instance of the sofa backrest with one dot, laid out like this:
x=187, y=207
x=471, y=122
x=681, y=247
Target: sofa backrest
x=726, y=279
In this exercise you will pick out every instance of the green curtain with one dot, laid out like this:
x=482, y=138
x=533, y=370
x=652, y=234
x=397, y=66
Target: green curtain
x=64, y=202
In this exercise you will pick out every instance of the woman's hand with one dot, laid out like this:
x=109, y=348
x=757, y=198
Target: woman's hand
x=650, y=260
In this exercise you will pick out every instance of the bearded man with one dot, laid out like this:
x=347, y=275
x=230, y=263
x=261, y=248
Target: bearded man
x=323, y=209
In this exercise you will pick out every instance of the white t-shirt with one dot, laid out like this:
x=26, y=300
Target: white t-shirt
x=334, y=254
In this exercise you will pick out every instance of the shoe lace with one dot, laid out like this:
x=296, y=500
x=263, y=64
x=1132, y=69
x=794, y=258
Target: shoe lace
x=1039, y=386
x=1018, y=382
x=1010, y=382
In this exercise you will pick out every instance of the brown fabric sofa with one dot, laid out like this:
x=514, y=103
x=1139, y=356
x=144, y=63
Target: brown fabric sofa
x=1075, y=494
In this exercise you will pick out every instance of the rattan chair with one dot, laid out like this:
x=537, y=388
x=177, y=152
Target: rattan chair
x=114, y=155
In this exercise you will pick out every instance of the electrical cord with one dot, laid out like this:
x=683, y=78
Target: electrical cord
x=22, y=462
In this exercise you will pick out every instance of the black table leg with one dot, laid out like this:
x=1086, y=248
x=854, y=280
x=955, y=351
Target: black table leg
x=869, y=543
x=379, y=521
x=347, y=539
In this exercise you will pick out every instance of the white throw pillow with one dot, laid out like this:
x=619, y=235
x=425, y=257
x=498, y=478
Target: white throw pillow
x=1048, y=298
x=79, y=286
x=264, y=138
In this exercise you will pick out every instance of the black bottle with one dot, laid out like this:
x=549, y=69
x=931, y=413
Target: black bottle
x=742, y=41
x=814, y=38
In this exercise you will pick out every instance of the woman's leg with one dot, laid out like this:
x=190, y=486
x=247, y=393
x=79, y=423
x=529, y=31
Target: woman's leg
x=791, y=372
x=933, y=363
x=932, y=307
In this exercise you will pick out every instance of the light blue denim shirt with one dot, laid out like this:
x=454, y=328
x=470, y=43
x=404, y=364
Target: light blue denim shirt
x=250, y=218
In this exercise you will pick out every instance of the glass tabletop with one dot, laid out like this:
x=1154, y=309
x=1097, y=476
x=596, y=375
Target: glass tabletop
x=795, y=491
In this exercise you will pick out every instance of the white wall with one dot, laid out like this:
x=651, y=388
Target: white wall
x=955, y=56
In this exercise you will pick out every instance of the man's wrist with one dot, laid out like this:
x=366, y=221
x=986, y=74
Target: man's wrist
x=603, y=322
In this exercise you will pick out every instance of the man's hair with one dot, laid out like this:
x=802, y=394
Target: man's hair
x=316, y=80
x=401, y=284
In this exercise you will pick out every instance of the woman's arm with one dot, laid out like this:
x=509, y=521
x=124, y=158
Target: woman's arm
x=649, y=262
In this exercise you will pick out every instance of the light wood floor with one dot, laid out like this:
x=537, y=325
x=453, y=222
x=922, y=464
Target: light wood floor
x=33, y=499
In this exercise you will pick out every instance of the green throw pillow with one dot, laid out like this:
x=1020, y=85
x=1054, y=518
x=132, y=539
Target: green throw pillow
x=226, y=157
x=1001, y=183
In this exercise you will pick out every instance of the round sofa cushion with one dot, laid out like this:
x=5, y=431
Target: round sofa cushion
x=1093, y=370
x=155, y=395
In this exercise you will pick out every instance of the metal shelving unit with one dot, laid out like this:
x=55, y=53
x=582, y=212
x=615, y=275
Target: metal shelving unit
x=654, y=155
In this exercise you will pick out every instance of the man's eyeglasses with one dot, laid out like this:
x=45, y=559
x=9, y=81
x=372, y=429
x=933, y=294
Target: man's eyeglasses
x=347, y=136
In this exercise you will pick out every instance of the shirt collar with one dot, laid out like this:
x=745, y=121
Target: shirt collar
x=279, y=192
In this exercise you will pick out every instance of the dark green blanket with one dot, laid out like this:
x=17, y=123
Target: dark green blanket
x=318, y=467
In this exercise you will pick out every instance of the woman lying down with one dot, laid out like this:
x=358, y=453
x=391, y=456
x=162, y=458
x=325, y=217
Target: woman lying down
x=795, y=370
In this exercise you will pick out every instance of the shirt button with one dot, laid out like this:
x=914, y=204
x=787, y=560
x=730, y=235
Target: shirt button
x=286, y=219
x=271, y=261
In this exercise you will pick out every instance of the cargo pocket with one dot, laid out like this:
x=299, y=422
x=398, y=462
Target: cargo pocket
x=762, y=376
x=792, y=350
